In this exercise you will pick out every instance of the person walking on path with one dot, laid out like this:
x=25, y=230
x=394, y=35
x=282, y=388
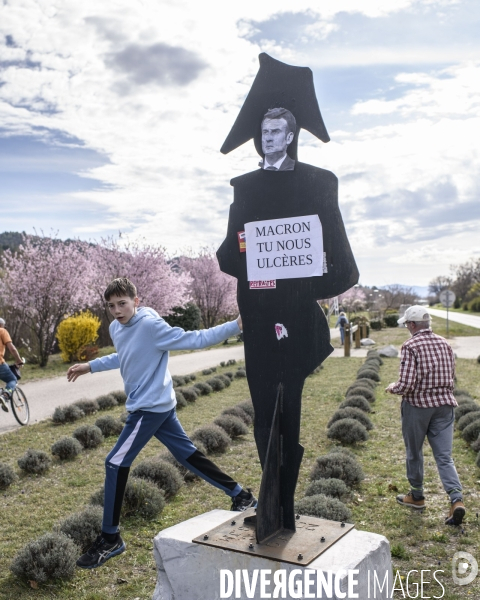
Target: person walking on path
x=426, y=382
x=142, y=340
x=341, y=322
x=6, y=373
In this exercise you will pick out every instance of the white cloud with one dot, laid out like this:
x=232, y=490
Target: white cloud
x=166, y=177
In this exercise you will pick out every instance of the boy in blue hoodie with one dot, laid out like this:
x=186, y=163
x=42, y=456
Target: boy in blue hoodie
x=142, y=340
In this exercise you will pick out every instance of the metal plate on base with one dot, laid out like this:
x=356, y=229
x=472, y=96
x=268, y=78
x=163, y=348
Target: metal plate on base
x=313, y=536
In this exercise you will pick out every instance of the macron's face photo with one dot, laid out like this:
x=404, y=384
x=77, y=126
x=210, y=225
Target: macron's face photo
x=122, y=308
x=274, y=136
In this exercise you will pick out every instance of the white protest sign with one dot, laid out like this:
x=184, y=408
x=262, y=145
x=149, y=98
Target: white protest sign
x=284, y=248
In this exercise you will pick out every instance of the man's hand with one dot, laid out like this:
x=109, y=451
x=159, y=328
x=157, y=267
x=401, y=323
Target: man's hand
x=239, y=321
x=75, y=371
x=389, y=388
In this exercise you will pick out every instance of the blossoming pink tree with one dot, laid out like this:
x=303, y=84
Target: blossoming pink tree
x=353, y=300
x=212, y=291
x=44, y=281
x=159, y=285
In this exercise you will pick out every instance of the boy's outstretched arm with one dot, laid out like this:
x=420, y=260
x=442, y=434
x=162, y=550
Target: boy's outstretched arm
x=75, y=371
x=174, y=338
x=105, y=363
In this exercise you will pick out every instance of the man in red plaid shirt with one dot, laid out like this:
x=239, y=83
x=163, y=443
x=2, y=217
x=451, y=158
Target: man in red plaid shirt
x=426, y=380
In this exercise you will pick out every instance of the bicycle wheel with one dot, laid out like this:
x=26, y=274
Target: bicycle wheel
x=19, y=406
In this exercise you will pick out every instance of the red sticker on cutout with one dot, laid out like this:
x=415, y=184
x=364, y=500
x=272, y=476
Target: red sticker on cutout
x=270, y=284
x=242, y=244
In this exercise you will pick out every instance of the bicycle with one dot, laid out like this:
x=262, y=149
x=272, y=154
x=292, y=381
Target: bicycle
x=19, y=403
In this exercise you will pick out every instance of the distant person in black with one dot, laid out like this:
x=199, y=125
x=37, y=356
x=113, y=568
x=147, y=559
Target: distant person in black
x=265, y=194
x=341, y=322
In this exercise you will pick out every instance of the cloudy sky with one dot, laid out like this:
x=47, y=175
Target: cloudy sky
x=112, y=114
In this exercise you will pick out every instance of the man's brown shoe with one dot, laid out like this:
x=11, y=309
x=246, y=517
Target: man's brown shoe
x=409, y=500
x=456, y=514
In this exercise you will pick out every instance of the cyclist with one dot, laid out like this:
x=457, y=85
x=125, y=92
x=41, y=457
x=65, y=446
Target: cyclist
x=6, y=374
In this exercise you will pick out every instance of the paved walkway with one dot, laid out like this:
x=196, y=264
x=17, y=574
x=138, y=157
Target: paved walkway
x=471, y=320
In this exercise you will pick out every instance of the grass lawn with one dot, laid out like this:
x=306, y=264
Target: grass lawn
x=33, y=505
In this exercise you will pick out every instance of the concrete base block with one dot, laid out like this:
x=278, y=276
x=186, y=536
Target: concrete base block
x=188, y=571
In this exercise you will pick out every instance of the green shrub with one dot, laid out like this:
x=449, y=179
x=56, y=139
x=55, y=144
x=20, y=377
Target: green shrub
x=240, y=373
x=475, y=446
x=216, y=384
x=237, y=411
x=459, y=392
x=361, y=390
x=34, y=461
x=474, y=305
x=223, y=363
x=391, y=320
x=181, y=402
x=376, y=324
x=323, y=507
x=366, y=383
x=106, y=402
x=161, y=473
x=247, y=406
x=344, y=451
x=89, y=407
x=212, y=437
x=351, y=413
x=109, y=426
x=226, y=380
x=7, y=476
x=123, y=417
x=357, y=402
x=338, y=465
x=369, y=366
x=230, y=375
x=89, y=436
x=120, y=396
x=178, y=381
x=465, y=408
x=233, y=426
x=231, y=362
x=347, y=431
x=142, y=498
x=471, y=432
x=467, y=419
x=76, y=332
x=66, y=448
x=67, y=414
x=335, y=488
x=189, y=393
x=82, y=527
x=203, y=388
x=477, y=462
x=207, y=371
x=191, y=377
x=368, y=374
x=51, y=557
x=464, y=400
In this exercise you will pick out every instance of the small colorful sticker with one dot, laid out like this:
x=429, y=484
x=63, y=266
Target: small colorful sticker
x=269, y=284
x=242, y=244
x=280, y=331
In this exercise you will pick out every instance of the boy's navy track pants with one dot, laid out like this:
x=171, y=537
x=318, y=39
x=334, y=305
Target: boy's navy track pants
x=140, y=427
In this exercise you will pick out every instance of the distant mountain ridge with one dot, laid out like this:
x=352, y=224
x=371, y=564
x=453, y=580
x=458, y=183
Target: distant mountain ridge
x=420, y=290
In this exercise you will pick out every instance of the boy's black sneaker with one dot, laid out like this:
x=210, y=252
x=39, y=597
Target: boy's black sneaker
x=244, y=500
x=100, y=552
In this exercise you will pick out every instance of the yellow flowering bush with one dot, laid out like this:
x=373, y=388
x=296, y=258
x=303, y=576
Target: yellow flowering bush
x=75, y=333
